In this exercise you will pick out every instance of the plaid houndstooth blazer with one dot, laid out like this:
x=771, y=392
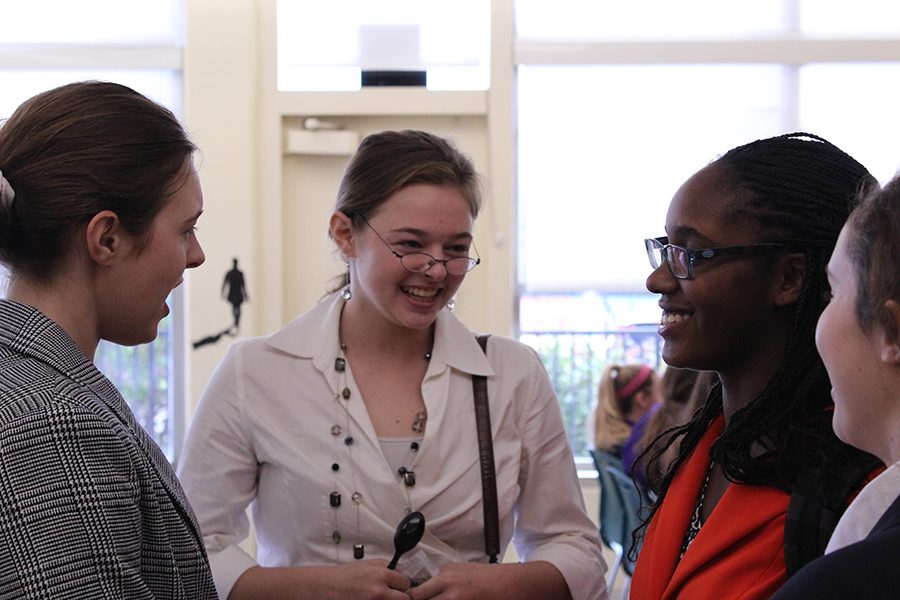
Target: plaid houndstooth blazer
x=89, y=506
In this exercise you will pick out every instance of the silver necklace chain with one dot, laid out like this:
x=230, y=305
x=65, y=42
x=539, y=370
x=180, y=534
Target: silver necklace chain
x=697, y=517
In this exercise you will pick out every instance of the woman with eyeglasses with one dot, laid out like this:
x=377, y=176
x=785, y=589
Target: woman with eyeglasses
x=361, y=411
x=760, y=478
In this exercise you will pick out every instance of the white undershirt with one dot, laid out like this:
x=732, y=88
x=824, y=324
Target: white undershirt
x=397, y=452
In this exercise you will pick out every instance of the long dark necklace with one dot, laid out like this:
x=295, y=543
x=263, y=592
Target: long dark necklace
x=405, y=473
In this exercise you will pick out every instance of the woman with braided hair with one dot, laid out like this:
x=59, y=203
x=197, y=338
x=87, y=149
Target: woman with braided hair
x=741, y=278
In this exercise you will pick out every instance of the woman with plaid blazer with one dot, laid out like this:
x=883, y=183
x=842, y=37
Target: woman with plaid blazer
x=98, y=203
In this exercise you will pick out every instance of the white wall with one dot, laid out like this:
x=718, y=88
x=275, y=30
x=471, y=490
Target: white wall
x=220, y=108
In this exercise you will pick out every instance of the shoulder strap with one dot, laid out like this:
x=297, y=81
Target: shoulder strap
x=486, y=453
x=819, y=498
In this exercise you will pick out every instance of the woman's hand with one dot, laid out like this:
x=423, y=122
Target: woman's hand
x=477, y=581
x=357, y=580
x=364, y=580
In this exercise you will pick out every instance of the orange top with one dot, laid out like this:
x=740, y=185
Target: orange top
x=739, y=551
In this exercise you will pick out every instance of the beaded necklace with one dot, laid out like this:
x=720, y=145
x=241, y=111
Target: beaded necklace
x=341, y=434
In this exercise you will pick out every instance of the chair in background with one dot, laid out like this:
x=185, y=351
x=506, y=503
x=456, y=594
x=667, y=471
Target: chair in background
x=620, y=503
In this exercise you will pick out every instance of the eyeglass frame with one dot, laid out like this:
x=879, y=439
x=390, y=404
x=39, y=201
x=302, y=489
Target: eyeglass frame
x=472, y=262
x=662, y=243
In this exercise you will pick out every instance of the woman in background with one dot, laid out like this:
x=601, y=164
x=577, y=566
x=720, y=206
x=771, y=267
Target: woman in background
x=361, y=410
x=626, y=393
x=741, y=279
x=98, y=203
x=858, y=337
x=682, y=391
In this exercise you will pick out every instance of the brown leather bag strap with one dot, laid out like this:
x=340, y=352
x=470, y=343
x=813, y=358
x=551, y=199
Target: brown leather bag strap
x=486, y=453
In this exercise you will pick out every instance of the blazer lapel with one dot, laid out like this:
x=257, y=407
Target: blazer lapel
x=662, y=565
x=27, y=330
x=746, y=516
x=104, y=390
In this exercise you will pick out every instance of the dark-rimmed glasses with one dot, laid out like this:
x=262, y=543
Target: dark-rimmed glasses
x=421, y=262
x=681, y=260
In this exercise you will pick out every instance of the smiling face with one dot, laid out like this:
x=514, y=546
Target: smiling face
x=724, y=318
x=435, y=219
x=853, y=359
x=145, y=277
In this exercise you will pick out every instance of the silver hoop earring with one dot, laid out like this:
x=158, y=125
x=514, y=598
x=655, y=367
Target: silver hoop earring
x=451, y=304
x=346, y=294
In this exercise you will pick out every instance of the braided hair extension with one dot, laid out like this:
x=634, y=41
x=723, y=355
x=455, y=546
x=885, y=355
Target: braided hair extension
x=799, y=188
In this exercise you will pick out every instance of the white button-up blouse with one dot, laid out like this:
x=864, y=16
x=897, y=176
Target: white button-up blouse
x=264, y=434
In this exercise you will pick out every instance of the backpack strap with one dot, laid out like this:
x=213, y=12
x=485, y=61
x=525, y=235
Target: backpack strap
x=820, y=496
x=486, y=454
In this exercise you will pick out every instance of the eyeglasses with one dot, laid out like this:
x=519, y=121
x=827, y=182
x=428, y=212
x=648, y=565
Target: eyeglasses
x=681, y=260
x=421, y=262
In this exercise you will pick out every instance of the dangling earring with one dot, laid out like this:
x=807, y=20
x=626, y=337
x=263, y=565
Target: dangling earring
x=451, y=304
x=345, y=293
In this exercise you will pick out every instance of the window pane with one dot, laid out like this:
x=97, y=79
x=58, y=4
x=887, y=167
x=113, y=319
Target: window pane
x=92, y=21
x=601, y=151
x=324, y=45
x=855, y=107
x=587, y=311
x=143, y=376
x=858, y=18
x=162, y=85
x=701, y=19
x=578, y=335
x=645, y=19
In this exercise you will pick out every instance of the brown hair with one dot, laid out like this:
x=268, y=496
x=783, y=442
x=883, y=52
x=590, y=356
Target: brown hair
x=74, y=151
x=388, y=161
x=874, y=249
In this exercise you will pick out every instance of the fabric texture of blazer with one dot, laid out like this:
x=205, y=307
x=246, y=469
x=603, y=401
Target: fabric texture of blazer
x=739, y=551
x=866, y=570
x=89, y=506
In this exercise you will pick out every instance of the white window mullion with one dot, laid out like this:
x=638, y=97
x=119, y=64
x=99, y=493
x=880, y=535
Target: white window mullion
x=87, y=56
x=782, y=49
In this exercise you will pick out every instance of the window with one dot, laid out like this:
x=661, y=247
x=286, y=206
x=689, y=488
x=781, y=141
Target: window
x=324, y=46
x=618, y=103
x=136, y=43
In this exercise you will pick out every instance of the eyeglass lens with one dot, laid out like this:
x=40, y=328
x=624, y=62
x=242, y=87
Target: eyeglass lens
x=675, y=256
x=419, y=262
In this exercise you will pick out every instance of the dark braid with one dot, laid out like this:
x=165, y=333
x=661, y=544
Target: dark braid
x=799, y=188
